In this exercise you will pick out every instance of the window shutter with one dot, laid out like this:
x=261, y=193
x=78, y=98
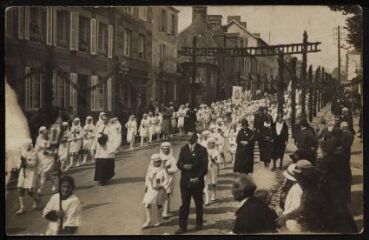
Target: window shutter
x=73, y=91
x=55, y=89
x=97, y=37
x=93, y=42
x=55, y=24
x=110, y=41
x=109, y=94
x=93, y=93
x=76, y=27
x=27, y=87
x=49, y=26
x=169, y=24
x=21, y=22
x=74, y=30
x=26, y=22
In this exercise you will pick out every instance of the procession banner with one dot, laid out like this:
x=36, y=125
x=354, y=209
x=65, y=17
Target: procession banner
x=237, y=94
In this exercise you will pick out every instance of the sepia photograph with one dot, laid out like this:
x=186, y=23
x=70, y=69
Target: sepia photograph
x=193, y=120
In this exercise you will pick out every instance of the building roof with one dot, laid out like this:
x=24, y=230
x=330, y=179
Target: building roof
x=240, y=26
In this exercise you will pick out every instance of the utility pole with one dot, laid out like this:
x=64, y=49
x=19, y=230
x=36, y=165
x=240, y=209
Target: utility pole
x=310, y=82
x=303, y=75
x=315, y=90
x=194, y=73
x=339, y=53
x=293, y=94
x=280, y=87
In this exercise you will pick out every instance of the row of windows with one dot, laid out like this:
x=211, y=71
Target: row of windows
x=64, y=91
x=253, y=66
x=61, y=28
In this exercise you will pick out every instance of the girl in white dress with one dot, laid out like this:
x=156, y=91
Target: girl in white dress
x=64, y=146
x=174, y=120
x=204, y=138
x=116, y=132
x=76, y=139
x=170, y=166
x=88, y=139
x=181, y=116
x=46, y=159
x=70, y=212
x=157, y=125
x=155, y=193
x=211, y=178
x=232, y=135
x=152, y=120
x=27, y=178
x=144, y=128
x=131, y=126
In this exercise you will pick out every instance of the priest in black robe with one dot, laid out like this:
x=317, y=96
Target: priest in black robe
x=244, y=159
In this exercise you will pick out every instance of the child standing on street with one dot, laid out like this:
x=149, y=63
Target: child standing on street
x=27, y=178
x=211, y=177
x=155, y=193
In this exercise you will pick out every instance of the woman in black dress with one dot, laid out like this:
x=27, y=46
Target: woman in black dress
x=244, y=159
x=266, y=142
x=280, y=137
x=190, y=120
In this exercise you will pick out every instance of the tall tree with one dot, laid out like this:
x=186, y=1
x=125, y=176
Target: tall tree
x=354, y=23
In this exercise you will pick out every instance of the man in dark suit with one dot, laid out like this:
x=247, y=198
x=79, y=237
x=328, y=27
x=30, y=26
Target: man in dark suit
x=193, y=163
x=307, y=140
x=254, y=215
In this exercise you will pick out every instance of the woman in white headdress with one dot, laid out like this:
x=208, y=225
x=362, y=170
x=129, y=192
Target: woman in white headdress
x=76, y=140
x=155, y=193
x=181, y=116
x=170, y=167
x=46, y=159
x=27, y=178
x=100, y=121
x=152, y=120
x=144, y=128
x=131, y=126
x=64, y=147
x=116, y=130
x=88, y=139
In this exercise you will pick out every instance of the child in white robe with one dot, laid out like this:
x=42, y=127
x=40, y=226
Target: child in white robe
x=157, y=125
x=63, y=151
x=76, y=139
x=70, y=212
x=155, y=193
x=181, y=115
x=88, y=139
x=131, y=126
x=144, y=129
x=27, y=178
x=170, y=166
x=211, y=177
x=152, y=121
x=46, y=159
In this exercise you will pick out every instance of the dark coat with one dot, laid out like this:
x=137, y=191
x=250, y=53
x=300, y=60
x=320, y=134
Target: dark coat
x=348, y=118
x=244, y=158
x=190, y=121
x=307, y=140
x=199, y=159
x=255, y=216
x=279, y=147
x=265, y=141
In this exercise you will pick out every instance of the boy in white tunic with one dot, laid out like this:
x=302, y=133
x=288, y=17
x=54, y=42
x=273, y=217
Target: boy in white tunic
x=70, y=212
x=144, y=128
x=76, y=138
x=155, y=193
x=27, y=178
x=211, y=177
x=63, y=151
x=170, y=166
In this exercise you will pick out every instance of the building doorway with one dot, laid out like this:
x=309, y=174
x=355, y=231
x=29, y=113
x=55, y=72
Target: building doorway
x=82, y=96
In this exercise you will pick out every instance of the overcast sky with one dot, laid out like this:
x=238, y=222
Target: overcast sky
x=286, y=24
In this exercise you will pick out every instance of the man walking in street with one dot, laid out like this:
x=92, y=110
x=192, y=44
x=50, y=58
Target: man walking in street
x=193, y=163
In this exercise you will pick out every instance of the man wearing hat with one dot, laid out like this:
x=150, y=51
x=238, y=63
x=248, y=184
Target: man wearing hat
x=347, y=117
x=253, y=215
x=307, y=140
x=193, y=163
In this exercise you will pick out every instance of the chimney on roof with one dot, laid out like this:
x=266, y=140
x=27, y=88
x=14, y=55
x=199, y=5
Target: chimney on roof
x=257, y=35
x=200, y=12
x=214, y=21
x=236, y=18
x=244, y=24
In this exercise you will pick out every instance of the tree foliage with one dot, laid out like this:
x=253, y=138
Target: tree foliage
x=354, y=23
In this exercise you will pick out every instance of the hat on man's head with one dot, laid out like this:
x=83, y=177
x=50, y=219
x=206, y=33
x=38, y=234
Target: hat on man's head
x=302, y=165
x=289, y=172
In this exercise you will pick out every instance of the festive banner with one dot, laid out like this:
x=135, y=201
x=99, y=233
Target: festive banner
x=237, y=94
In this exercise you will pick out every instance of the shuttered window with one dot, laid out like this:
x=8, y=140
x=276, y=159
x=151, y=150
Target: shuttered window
x=26, y=22
x=109, y=94
x=49, y=26
x=37, y=24
x=33, y=89
x=60, y=89
x=97, y=95
x=74, y=31
x=110, y=41
x=142, y=13
x=21, y=22
x=141, y=47
x=73, y=90
x=127, y=42
x=93, y=39
x=102, y=41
